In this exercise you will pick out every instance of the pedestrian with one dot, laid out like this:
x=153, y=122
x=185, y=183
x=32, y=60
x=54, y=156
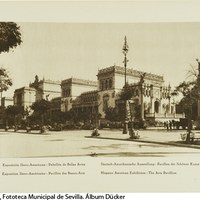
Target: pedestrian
x=167, y=125
x=174, y=124
x=177, y=125
x=170, y=125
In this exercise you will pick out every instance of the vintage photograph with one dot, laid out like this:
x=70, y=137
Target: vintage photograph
x=99, y=89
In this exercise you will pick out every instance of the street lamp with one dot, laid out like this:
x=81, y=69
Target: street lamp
x=125, y=51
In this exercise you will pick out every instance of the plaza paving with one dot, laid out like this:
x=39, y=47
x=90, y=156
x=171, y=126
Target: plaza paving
x=111, y=143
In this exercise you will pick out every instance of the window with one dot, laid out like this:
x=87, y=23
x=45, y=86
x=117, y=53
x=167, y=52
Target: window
x=103, y=85
x=113, y=94
x=110, y=83
x=106, y=87
x=156, y=106
x=19, y=99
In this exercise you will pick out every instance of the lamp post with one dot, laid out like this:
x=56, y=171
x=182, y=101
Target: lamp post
x=125, y=51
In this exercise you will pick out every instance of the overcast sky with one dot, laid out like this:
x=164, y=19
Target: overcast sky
x=61, y=50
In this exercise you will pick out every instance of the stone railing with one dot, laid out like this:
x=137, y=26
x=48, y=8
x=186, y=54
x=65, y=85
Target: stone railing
x=165, y=115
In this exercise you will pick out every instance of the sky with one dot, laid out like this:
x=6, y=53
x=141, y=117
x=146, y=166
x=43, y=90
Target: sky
x=58, y=51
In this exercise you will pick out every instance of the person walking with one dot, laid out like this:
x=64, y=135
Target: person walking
x=170, y=125
x=167, y=125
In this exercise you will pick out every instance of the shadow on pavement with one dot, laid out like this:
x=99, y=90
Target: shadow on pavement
x=118, y=154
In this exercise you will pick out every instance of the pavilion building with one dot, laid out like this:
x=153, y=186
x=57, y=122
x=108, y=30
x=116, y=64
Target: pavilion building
x=153, y=96
x=43, y=89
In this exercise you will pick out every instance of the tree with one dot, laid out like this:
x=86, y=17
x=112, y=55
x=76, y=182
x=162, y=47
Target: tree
x=40, y=108
x=10, y=36
x=126, y=93
x=113, y=114
x=189, y=101
x=5, y=80
x=27, y=112
x=135, y=110
x=13, y=114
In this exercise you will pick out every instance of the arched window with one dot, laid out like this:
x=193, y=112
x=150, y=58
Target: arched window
x=103, y=85
x=110, y=83
x=65, y=92
x=167, y=108
x=156, y=106
x=106, y=87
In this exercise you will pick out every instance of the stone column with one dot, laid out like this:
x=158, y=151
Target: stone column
x=160, y=106
x=152, y=110
x=170, y=110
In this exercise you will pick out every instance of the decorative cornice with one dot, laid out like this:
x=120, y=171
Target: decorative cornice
x=130, y=72
x=79, y=82
x=50, y=82
x=38, y=84
x=51, y=91
x=25, y=88
x=90, y=92
x=7, y=98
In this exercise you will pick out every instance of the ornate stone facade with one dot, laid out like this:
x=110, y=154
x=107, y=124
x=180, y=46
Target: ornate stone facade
x=24, y=96
x=71, y=90
x=6, y=101
x=87, y=101
x=44, y=89
x=150, y=93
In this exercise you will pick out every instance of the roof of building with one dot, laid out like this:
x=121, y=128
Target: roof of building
x=8, y=98
x=56, y=99
x=79, y=81
x=90, y=92
x=25, y=88
x=130, y=72
x=49, y=81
